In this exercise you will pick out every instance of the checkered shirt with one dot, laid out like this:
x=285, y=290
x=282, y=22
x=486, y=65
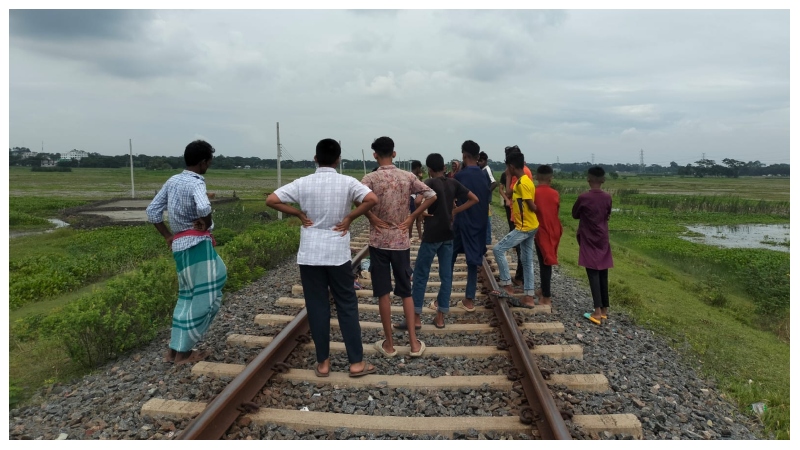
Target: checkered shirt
x=325, y=197
x=184, y=198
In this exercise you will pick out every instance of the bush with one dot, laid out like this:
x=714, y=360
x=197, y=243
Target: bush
x=133, y=307
x=622, y=294
x=224, y=235
x=51, y=169
x=17, y=218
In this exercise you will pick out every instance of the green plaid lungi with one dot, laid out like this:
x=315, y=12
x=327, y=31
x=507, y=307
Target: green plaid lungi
x=201, y=277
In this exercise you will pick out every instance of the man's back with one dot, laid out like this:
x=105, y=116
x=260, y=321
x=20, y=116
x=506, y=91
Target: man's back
x=393, y=188
x=438, y=227
x=474, y=179
x=184, y=197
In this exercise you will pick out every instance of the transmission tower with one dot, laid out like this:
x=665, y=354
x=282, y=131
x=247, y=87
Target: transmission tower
x=641, y=160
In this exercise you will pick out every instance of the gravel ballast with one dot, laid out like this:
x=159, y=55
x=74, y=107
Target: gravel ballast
x=647, y=377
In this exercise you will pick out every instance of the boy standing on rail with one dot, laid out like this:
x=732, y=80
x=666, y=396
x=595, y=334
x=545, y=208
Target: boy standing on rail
x=549, y=235
x=201, y=272
x=437, y=241
x=470, y=227
x=593, y=209
x=507, y=183
x=525, y=226
x=324, y=254
x=389, y=245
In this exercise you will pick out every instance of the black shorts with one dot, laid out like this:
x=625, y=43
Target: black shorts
x=379, y=267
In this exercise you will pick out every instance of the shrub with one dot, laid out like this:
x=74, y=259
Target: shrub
x=622, y=294
x=133, y=307
x=17, y=218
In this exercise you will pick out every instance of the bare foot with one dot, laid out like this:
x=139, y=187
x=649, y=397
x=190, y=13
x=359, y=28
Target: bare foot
x=509, y=289
x=324, y=367
x=528, y=300
x=418, y=346
x=438, y=322
x=545, y=301
x=468, y=303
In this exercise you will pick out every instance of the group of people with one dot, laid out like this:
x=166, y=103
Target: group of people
x=453, y=215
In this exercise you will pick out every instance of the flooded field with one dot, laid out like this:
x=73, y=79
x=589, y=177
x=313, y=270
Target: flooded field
x=772, y=237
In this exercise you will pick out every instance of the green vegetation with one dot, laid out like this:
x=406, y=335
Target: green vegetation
x=727, y=309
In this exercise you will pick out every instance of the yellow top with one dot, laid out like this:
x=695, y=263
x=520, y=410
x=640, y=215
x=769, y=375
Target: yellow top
x=524, y=219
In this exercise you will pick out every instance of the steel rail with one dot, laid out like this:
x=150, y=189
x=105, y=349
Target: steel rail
x=543, y=409
x=237, y=396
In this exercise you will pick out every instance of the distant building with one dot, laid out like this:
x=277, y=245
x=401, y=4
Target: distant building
x=48, y=163
x=74, y=154
x=25, y=155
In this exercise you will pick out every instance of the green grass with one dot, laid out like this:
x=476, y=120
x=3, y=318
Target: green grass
x=699, y=297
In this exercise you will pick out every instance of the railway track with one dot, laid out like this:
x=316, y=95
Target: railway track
x=499, y=337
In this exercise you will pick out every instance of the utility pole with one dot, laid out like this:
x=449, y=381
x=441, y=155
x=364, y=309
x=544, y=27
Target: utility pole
x=704, y=156
x=278, y=132
x=130, y=149
x=592, y=158
x=364, y=161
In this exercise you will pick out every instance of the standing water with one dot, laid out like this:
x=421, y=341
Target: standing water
x=772, y=237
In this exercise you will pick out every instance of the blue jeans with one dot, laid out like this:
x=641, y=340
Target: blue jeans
x=525, y=242
x=489, y=231
x=472, y=271
x=422, y=271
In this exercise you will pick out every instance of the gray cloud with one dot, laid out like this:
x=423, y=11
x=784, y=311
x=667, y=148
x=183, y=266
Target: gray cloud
x=76, y=24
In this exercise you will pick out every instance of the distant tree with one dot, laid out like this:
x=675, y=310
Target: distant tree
x=734, y=166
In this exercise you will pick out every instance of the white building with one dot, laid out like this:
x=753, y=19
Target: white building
x=75, y=154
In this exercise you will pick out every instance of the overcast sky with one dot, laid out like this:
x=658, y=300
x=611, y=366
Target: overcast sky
x=562, y=85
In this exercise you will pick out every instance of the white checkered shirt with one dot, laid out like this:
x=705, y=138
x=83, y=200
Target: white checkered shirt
x=325, y=197
x=184, y=198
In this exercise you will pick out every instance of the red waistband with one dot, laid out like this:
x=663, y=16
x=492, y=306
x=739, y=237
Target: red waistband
x=195, y=233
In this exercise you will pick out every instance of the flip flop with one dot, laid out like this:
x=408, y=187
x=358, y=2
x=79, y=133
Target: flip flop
x=321, y=374
x=168, y=358
x=419, y=353
x=514, y=301
x=379, y=347
x=195, y=356
x=437, y=326
x=431, y=306
x=404, y=326
x=366, y=371
x=604, y=317
x=591, y=319
x=461, y=305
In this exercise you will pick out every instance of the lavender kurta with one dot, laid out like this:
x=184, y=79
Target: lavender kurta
x=593, y=209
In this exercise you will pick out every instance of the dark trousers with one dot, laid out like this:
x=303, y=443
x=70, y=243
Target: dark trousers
x=519, y=274
x=316, y=281
x=545, y=272
x=598, y=282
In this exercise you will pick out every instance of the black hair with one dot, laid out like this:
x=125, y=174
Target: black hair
x=515, y=160
x=383, y=146
x=482, y=156
x=471, y=148
x=435, y=162
x=328, y=151
x=597, y=172
x=512, y=149
x=544, y=169
x=196, y=152
x=415, y=164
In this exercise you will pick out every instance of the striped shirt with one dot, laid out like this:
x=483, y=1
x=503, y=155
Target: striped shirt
x=184, y=198
x=325, y=197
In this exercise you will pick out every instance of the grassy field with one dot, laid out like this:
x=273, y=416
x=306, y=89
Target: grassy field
x=700, y=297
x=727, y=310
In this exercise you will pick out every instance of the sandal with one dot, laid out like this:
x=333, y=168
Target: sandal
x=419, y=353
x=404, y=326
x=461, y=305
x=591, y=319
x=195, y=356
x=517, y=303
x=432, y=306
x=436, y=325
x=379, y=347
x=368, y=369
x=321, y=374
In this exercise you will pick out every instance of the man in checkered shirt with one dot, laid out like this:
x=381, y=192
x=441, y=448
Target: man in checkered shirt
x=325, y=199
x=201, y=272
